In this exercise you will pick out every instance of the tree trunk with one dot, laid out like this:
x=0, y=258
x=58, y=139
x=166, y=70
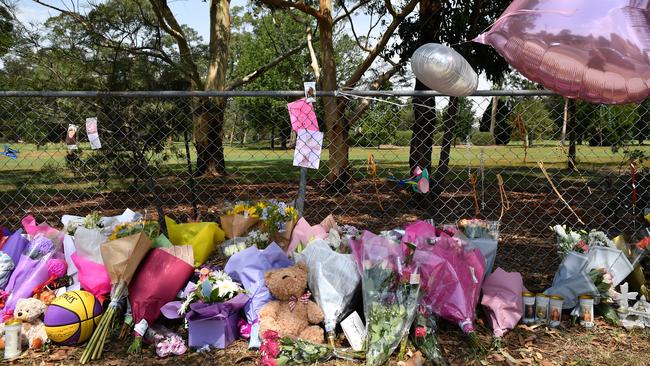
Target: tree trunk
x=208, y=138
x=493, y=115
x=445, y=151
x=338, y=176
x=571, y=127
x=273, y=138
x=425, y=118
x=208, y=124
x=423, y=128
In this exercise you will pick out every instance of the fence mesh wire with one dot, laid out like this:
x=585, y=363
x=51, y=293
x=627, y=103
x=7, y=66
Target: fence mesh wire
x=152, y=158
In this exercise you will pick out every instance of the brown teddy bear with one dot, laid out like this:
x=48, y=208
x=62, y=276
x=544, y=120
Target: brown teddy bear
x=292, y=314
x=33, y=333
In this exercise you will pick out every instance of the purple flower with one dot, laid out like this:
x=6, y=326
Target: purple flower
x=39, y=246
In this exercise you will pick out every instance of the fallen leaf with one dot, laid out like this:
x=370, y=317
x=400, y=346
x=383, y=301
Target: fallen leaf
x=521, y=340
x=508, y=357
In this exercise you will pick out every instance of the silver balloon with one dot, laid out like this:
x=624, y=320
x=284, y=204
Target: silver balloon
x=444, y=70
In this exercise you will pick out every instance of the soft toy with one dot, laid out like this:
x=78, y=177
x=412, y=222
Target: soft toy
x=29, y=311
x=292, y=314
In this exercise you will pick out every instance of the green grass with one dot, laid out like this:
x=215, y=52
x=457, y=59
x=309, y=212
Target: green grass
x=45, y=168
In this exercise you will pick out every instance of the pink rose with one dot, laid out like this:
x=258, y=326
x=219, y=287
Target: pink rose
x=244, y=328
x=273, y=349
x=420, y=332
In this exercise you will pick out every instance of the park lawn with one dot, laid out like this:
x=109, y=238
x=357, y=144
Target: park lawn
x=45, y=168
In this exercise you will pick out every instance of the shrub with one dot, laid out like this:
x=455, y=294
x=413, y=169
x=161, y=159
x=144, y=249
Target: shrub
x=403, y=138
x=482, y=139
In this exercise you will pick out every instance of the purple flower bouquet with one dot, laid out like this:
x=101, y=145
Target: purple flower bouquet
x=212, y=324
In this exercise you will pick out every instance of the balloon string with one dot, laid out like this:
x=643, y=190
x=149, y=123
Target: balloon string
x=548, y=178
x=348, y=96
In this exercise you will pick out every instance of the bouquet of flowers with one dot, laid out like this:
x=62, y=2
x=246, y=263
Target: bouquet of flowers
x=165, y=341
x=424, y=338
x=255, y=238
x=483, y=235
x=303, y=233
x=452, y=273
x=149, y=228
x=599, y=238
x=240, y=218
x=202, y=236
x=121, y=257
x=211, y=309
x=90, y=221
x=502, y=301
x=279, y=220
x=333, y=280
x=32, y=268
x=390, y=296
x=569, y=240
x=162, y=274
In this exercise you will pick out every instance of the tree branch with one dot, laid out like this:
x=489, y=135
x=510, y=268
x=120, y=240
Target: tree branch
x=381, y=44
x=352, y=10
x=376, y=84
x=354, y=32
x=106, y=42
x=296, y=5
x=312, y=55
x=263, y=69
x=171, y=26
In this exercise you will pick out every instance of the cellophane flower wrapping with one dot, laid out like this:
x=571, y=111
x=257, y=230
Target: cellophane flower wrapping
x=333, y=279
x=248, y=267
x=13, y=249
x=451, y=276
x=202, y=236
x=15, y=245
x=6, y=267
x=161, y=275
x=502, y=300
x=574, y=275
x=32, y=268
x=390, y=296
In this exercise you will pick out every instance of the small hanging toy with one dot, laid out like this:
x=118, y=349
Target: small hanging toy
x=419, y=181
x=10, y=152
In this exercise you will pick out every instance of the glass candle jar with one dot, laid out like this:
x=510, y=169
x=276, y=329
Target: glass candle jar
x=13, y=346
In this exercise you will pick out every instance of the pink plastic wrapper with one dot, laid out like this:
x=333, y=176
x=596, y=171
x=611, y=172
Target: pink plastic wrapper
x=420, y=233
x=303, y=232
x=93, y=276
x=451, y=276
x=31, y=229
x=374, y=247
x=502, y=300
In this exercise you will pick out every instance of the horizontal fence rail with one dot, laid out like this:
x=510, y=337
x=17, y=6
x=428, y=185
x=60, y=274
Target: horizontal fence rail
x=185, y=154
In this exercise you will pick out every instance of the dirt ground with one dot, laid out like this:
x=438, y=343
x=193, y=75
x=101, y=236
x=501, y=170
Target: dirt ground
x=568, y=345
x=526, y=246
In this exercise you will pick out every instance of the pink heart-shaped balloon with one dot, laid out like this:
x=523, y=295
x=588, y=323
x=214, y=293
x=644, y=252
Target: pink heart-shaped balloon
x=595, y=50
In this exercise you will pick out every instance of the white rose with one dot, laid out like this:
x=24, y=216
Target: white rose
x=559, y=230
x=575, y=237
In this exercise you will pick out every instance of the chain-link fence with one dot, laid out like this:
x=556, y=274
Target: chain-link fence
x=166, y=152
